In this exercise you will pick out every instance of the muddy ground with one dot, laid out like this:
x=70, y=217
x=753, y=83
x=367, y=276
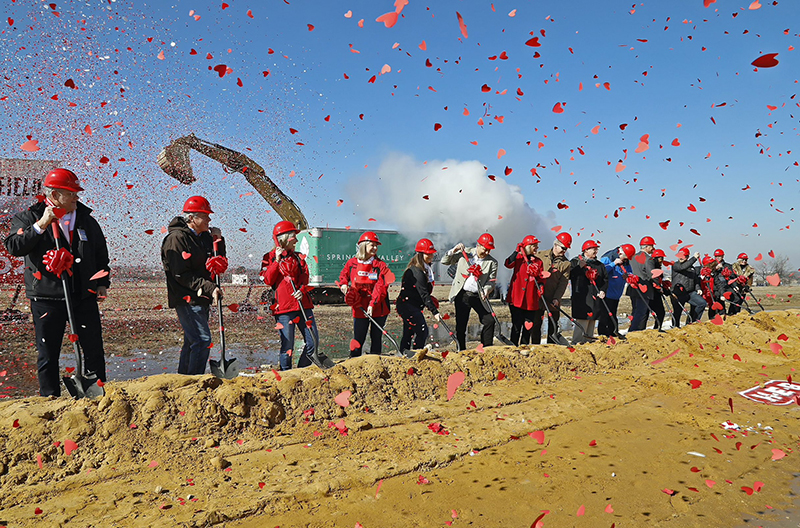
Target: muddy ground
x=627, y=433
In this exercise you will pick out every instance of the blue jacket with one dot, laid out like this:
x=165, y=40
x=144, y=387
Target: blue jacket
x=616, y=277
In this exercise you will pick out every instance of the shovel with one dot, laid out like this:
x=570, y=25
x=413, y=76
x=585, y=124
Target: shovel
x=81, y=384
x=557, y=337
x=503, y=339
x=574, y=322
x=224, y=368
x=394, y=342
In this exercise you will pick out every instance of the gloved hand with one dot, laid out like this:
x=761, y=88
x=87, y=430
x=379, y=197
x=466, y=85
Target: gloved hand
x=58, y=262
x=535, y=268
x=521, y=248
x=591, y=274
x=475, y=270
x=217, y=266
x=666, y=284
x=726, y=272
x=288, y=267
x=742, y=279
x=705, y=272
x=631, y=279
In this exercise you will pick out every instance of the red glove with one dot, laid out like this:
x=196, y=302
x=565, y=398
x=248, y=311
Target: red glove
x=726, y=272
x=217, y=266
x=288, y=267
x=742, y=279
x=633, y=280
x=353, y=297
x=666, y=284
x=705, y=272
x=521, y=248
x=475, y=270
x=534, y=268
x=591, y=274
x=58, y=262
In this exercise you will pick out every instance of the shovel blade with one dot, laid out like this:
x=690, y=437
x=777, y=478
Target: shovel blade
x=322, y=361
x=82, y=387
x=227, y=369
x=506, y=341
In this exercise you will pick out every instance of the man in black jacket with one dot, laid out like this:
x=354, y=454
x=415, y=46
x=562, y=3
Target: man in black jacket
x=685, y=283
x=187, y=254
x=31, y=236
x=640, y=284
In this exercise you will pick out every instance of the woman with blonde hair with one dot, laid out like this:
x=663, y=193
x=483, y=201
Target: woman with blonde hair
x=363, y=281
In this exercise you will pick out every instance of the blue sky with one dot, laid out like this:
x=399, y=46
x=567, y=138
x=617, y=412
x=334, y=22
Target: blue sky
x=699, y=88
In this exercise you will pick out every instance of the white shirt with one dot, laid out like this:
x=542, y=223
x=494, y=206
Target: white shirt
x=471, y=284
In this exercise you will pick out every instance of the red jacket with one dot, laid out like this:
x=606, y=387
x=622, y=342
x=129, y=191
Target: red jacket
x=371, y=284
x=273, y=275
x=522, y=290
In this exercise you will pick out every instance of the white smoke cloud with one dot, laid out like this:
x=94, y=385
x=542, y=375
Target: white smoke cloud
x=462, y=202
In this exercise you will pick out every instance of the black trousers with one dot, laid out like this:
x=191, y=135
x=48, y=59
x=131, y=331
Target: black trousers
x=607, y=323
x=414, y=326
x=49, y=321
x=360, y=328
x=657, y=305
x=520, y=334
x=464, y=302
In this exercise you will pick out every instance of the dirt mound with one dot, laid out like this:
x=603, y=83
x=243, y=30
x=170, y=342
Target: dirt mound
x=167, y=427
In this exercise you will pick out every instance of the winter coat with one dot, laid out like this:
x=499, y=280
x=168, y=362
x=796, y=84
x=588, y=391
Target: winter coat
x=184, y=254
x=88, y=246
x=558, y=267
x=685, y=274
x=372, y=286
x=585, y=302
x=416, y=288
x=297, y=271
x=526, y=280
x=616, y=277
x=642, y=265
x=747, y=270
x=723, y=284
x=487, y=280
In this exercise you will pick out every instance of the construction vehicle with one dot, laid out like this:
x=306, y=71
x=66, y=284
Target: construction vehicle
x=174, y=160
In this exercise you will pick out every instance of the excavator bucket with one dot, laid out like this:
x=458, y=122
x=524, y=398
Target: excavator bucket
x=174, y=160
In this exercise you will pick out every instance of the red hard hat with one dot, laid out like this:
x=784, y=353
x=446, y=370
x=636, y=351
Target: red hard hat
x=719, y=253
x=684, y=251
x=589, y=244
x=658, y=253
x=647, y=241
x=283, y=227
x=565, y=239
x=530, y=240
x=62, y=179
x=708, y=260
x=197, y=204
x=486, y=240
x=425, y=246
x=628, y=250
x=372, y=237
x=742, y=256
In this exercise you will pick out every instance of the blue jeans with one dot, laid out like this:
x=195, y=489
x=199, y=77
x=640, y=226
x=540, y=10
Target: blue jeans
x=287, y=321
x=196, y=339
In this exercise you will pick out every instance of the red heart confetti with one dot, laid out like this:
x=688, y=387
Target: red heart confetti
x=343, y=399
x=454, y=381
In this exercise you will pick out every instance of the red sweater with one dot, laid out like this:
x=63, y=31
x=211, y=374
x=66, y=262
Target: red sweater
x=297, y=271
x=370, y=280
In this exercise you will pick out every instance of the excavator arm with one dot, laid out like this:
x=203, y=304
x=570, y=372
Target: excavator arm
x=174, y=160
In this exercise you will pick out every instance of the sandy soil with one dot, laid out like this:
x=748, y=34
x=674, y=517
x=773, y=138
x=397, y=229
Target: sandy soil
x=603, y=434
